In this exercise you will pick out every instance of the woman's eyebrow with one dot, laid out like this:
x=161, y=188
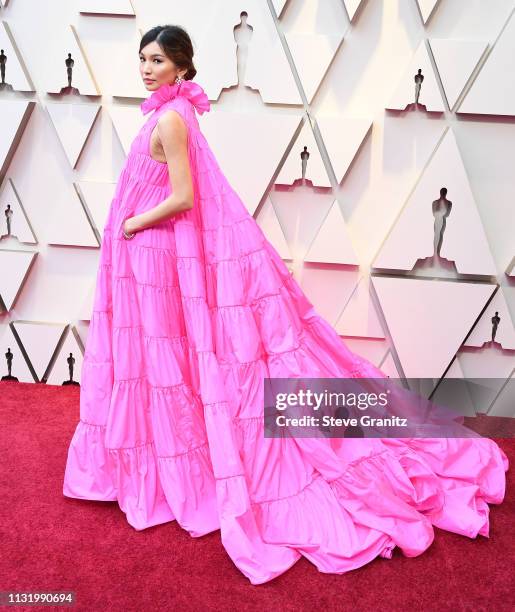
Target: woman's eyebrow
x=153, y=55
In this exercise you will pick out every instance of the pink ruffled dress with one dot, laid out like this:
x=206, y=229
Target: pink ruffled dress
x=189, y=317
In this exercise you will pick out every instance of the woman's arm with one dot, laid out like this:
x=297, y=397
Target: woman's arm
x=173, y=134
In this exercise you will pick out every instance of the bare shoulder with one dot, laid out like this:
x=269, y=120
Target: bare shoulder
x=171, y=123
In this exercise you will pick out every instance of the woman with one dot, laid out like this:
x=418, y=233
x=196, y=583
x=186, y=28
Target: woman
x=193, y=309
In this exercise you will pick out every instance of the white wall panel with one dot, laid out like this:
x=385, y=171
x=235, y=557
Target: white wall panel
x=464, y=243
x=372, y=174
x=332, y=243
x=69, y=354
x=427, y=321
x=487, y=370
x=503, y=404
x=352, y=7
x=427, y=7
x=19, y=367
x=359, y=316
x=19, y=226
x=16, y=73
x=107, y=7
x=505, y=333
x=73, y=123
x=404, y=95
x=39, y=340
x=291, y=169
x=63, y=47
x=15, y=265
x=269, y=223
x=493, y=92
x=456, y=61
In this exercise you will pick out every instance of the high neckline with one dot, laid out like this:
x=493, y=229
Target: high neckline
x=168, y=91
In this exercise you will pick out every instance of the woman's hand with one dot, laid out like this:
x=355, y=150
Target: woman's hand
x=128, y=226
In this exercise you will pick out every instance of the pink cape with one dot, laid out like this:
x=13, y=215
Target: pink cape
x=189, y=317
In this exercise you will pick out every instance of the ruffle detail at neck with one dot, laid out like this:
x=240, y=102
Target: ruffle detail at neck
x=168, y=91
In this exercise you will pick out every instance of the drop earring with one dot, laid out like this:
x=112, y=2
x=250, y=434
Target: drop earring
x=178, y=80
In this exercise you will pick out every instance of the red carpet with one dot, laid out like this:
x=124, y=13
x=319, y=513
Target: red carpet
x=50, y=542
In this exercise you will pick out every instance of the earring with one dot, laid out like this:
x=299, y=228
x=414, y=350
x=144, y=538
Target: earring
x=178, y=80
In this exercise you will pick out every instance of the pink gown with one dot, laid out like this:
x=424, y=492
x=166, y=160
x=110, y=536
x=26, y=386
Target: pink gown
x=189, y=316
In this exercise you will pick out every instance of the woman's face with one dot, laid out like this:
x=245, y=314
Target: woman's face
x=156, y=68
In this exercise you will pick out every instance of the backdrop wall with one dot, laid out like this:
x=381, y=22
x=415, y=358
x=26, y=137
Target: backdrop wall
x=355, y=222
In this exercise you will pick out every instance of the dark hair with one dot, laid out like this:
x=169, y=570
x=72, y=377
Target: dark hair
x=176, y=43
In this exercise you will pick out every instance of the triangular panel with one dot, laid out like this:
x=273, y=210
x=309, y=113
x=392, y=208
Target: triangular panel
x=503, y=405
x=279, y=6
x=352, y=7
x=486, y=371
x=15, y=115
x=342, y=136
x=493, y=91
x=301, y=211
x=39, y=341
x=303, y=48
x=70, y=354
x=389, y=368
x=332, y=243
x=463, y=238
x=73, y=123
x=267, y=69
x=70, y=224
x=16, y=72
x=229, y=134
x=107, y=7
x=427, y=8
x=269, y=223
x=16, y=265
x=454, y=391
x=20, y=370
x=504, y=331
x=456, y=61
x=20, y=227
x=127, y=121
x=404, y=94
x=428, y=320
x=97, y=198
x=359, y=317
x=315, y=168
x=60, y=49
x=328, y=289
